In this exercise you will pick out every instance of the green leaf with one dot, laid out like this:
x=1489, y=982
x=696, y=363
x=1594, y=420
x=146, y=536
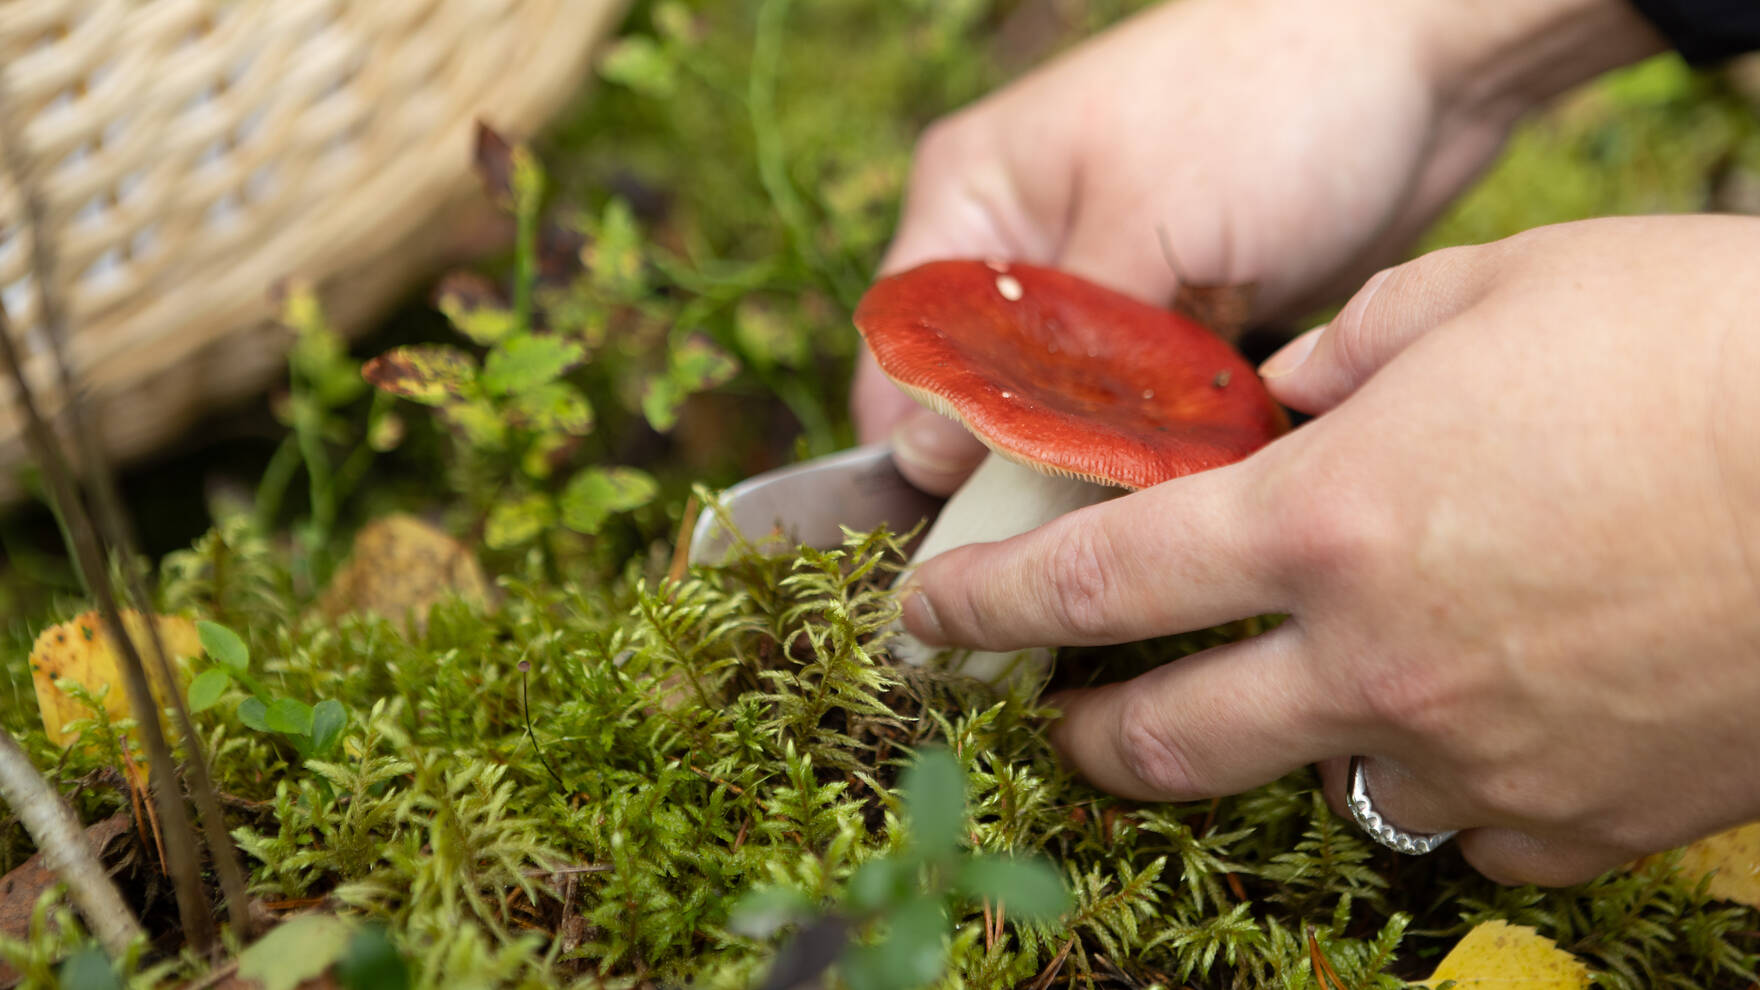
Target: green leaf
x=594, y=494
x=762, y=911
x=697, y=364
x=909, y=957
x=474, y=309
x=328, y=720
x=1029, y=889
x=934, y=791
x=641, y=64
x=223, y=645
x=88, y=969
x=766, y=338
x=555, y=407
x=877, y=884
x=517, y=520
x=614, y=257
x=661, y=397
x=674, y=21
x=430, y=374
x=289, y=716
x=527, y=362
x=476, y=420
x=206, y=689
x=546, y=453
x=372, y=962
x=254, y=714
x=300, y=949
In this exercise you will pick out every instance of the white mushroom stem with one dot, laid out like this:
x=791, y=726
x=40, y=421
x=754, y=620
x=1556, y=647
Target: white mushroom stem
x=1000, y=500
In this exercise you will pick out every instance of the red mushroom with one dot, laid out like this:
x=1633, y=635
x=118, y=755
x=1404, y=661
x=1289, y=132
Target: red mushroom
x=1077, y=390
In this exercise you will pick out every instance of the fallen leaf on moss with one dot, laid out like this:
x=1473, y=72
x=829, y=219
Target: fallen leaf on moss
x=399, y=568
x=1497, y=955
x=20, y=889
x=297, y=953
x=79, y=650
x=1733, y=860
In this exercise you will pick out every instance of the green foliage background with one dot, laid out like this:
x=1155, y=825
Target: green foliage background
x=735, y=173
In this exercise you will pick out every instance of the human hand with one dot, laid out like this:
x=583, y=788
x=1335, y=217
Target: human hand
x=1293, y=146
x=1518, y=549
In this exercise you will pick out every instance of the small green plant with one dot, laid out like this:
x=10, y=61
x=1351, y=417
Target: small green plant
x=319, y=408
x=312, y=730
x=904, y=895
x=517, y=407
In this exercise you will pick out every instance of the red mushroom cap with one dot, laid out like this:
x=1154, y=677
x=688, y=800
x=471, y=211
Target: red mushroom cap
x=1065, y=376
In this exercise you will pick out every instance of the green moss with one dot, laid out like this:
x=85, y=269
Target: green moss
x=741, y=729
x=1647, y=139
x=691, y=741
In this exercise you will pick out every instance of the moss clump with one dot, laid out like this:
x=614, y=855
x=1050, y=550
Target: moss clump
x=690, y=741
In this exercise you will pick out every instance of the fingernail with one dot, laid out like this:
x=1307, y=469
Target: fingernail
x=1291, y=356
x=934, y=453
x=920, y=618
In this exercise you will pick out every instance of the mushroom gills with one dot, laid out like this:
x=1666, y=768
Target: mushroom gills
x=1001, y=499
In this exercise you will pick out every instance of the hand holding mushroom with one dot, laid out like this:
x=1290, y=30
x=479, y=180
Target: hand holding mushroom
x=1519, y=548
x=1077, y=390
x=1293, y=146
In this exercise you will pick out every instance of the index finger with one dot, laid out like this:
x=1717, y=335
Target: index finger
x=1189, y=553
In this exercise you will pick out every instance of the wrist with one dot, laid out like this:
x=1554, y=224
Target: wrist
x=1497, y=59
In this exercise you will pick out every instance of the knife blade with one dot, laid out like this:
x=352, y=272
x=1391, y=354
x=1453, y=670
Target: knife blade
x=809, y=503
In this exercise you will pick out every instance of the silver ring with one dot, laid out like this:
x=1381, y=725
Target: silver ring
x=1379, y=828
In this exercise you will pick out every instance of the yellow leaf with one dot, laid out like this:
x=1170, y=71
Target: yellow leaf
x=79, y=650
x=1496, y=955
x=1733, y=859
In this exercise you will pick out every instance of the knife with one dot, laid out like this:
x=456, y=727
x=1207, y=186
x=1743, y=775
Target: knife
x=811, y=502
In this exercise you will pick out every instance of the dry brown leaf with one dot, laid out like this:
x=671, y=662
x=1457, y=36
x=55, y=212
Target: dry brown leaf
x=1733, y=860
x=79, y=650
x=399, y=568
x=20, y=889
x=1497, y=955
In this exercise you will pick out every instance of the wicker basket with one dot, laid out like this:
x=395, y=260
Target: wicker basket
x=194, y=153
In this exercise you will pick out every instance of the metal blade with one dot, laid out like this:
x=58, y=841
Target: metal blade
x=807, y=503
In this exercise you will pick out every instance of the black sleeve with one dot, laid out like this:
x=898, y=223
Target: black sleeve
x=1706, y=30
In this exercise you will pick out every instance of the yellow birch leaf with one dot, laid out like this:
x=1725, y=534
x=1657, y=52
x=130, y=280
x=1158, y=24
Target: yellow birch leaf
x=1496, y=955
x=1733, y=860
x=79, y=650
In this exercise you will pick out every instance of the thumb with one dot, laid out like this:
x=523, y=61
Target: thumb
x=961, y=201
x=1322, y=367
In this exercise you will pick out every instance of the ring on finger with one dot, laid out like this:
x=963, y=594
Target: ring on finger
x=1377, y=826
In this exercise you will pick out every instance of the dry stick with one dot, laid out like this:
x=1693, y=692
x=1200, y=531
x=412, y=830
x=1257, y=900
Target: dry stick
x=1056, y=966
x=113, y=529
x=180, y=859
x=65, y=850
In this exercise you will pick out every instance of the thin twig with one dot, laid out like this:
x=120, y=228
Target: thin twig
x=58, y=835
x=1324, y=975
x=566, y=871
x=114, y=532
x=525, y=710
x=1056, y=966
x=183, y=859
x=681, y=548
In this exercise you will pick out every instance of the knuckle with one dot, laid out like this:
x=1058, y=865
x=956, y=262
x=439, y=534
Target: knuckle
x=1079, y=582
x=1411, y=700
x=1153, y=755
x=1333, y=529
x=1530, y=795
x=942, y=144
